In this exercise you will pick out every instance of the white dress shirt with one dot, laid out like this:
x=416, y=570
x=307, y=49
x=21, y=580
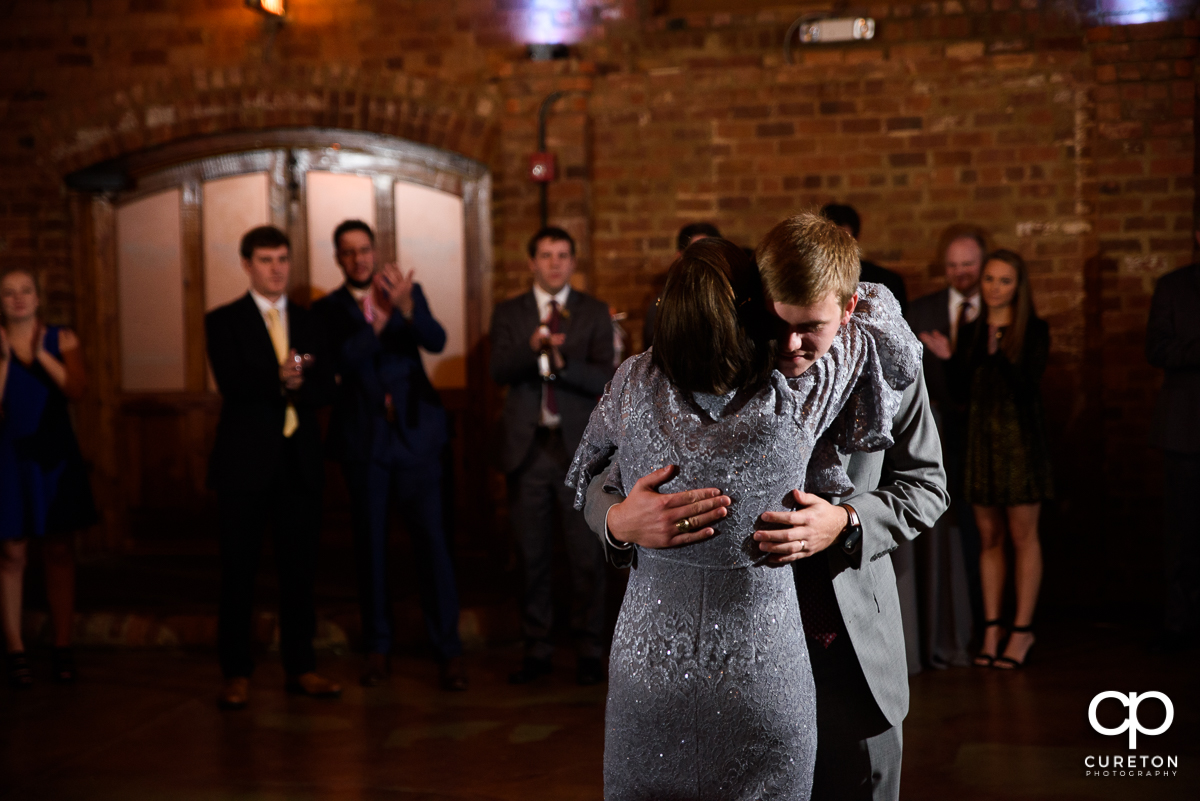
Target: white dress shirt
x=279, y=305
x=543, y=298
x=956, y=299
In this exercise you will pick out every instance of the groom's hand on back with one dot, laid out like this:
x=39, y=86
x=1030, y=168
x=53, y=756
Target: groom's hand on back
x=650, y=519
x=811, y=528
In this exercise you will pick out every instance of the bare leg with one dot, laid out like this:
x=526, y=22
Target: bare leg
x=991, y=523
x=1023, y=524
x=60, y=587
x=12, y=575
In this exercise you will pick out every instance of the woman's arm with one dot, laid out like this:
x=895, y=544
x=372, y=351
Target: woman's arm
x=54, y=368
x=5, y=359
x=874, y=357
x=72, y=357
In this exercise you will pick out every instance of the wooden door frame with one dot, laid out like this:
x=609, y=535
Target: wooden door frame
x=287, y=154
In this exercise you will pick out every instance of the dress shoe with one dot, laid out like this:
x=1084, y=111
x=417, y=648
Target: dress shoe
x=531, y=670
x=63, y=661
x=452, y=676
x=376, y=671
x=20, y=677
x=588, y=671
x=235, y=695
x=314, y=686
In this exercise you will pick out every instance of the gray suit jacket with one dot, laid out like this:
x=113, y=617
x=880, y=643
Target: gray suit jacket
x=900, y=493
x=588, y=352
x=1173, y=344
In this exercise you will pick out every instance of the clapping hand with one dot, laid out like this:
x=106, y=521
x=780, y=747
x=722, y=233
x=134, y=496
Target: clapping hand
x=937, y=342
x=393, y=290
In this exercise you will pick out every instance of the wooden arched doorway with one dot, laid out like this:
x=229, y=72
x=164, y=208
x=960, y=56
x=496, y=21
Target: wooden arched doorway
x=156, y=248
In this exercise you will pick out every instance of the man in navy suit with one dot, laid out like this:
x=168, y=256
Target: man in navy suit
x=389, y=430
x=266, y=463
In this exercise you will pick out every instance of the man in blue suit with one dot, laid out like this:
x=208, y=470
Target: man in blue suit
x=388, y=430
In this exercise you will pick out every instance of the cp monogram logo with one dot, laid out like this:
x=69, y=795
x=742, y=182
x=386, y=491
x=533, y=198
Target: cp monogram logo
x=1131, y=723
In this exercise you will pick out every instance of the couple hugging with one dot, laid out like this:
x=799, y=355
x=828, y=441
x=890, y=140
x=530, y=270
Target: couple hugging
x=758, y=376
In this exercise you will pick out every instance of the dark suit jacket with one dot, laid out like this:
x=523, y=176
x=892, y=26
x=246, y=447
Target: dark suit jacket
x=371, y=367
x=892, y=280
x=249, y=443
x=932, y=313
x=1173, y=344
x=588, y=352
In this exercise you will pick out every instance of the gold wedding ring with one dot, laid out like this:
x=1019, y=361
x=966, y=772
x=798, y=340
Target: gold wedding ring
x=684, y=525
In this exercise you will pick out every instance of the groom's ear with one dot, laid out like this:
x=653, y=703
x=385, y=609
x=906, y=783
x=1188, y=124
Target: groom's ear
x=849, y=310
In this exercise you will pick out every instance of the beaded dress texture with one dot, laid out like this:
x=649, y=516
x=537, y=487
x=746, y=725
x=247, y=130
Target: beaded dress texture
x=710, y=689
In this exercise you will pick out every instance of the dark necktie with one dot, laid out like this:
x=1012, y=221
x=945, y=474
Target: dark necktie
x=963, y=308
x=552, y=323
x=819, y=610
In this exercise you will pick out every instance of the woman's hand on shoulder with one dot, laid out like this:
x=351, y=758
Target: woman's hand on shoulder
x=67, y=340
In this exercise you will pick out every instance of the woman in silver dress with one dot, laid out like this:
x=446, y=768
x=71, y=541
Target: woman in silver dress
x=710, y=691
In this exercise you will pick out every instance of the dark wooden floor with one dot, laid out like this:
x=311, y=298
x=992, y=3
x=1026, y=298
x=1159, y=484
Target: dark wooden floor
x=142, y=725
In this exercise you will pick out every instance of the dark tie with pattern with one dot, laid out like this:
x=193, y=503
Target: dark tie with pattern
x=963, y=307
x=552, y=322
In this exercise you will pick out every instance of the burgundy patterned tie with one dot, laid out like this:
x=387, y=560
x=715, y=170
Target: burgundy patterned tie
x=552, y=323
x=818, y=604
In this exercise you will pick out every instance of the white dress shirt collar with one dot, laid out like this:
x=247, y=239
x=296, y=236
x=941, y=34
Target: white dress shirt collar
x=957, y=297
x=543, y=299
x=264, y=305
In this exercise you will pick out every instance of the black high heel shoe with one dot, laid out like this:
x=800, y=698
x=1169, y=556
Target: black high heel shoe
x=1007, y=662
x=63, y=662
x=982, y=659
x=19, y=674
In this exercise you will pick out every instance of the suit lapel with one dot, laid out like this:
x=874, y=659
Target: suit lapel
x=349, y=304
x=574, y=303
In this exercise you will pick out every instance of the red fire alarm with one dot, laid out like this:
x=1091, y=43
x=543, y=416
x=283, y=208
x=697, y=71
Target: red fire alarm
x=541, y=167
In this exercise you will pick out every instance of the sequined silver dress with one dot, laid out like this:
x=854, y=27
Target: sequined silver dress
x=710, y=688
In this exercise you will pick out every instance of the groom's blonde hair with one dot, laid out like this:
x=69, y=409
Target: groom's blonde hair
x=806, y=257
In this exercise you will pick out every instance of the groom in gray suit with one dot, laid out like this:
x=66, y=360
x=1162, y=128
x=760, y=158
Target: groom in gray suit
x=845, y=585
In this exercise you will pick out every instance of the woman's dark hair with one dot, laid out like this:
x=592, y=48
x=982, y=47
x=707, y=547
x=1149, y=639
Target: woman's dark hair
x=710, y=332
x=1022, y=303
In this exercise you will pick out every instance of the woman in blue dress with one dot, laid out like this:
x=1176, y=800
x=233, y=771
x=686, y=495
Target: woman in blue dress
x=44, y=491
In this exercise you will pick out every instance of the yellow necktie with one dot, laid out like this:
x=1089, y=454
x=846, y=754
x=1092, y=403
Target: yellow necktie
x=291, y=421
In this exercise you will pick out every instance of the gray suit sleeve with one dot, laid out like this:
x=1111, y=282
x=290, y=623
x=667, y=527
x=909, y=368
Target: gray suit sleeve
x=912, y=493
x=595, y=511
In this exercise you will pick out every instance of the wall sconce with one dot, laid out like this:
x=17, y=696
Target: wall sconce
x=273, y=7
x=815, y=29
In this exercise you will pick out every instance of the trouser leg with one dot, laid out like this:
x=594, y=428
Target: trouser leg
x=297, y=531
x=954, y=451
x=531, y=508
x=369, y=483
x=858, y=750
x=586, y=558
x=419, y=494
x=242, y=519
x=1181, y=541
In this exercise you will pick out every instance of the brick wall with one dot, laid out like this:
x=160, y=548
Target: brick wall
x=1072, y=144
